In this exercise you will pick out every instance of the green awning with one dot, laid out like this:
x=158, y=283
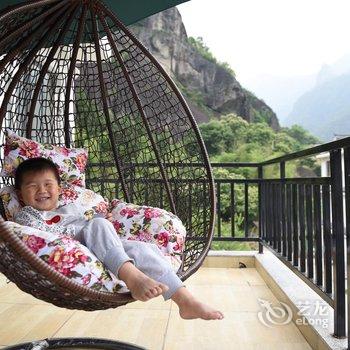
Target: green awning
x=128, y=11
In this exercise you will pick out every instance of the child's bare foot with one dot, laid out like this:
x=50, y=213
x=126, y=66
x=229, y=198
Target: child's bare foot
x=191, y=308
x=141, y=286
x=196, y=309
x=144, y=288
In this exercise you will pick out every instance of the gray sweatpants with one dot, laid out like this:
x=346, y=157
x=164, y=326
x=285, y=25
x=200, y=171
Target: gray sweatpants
x=100, y=237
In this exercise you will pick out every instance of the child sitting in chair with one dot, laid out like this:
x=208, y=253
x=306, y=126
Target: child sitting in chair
x=140, y=265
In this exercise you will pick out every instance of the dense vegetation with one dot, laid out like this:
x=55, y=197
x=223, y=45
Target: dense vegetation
x=232, y=139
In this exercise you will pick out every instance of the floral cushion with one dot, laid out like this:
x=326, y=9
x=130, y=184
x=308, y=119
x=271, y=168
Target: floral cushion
x=132, y=222
x=88, y=201
x=10, y=201
x=70, y=258
x=150, y=224
x=71, y=162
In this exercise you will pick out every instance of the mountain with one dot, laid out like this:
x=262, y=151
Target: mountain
x=209, y=87
x=331, y=71
x=281, y=92
x=325, y=109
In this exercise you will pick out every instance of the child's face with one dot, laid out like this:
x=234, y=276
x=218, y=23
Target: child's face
x=40, y=190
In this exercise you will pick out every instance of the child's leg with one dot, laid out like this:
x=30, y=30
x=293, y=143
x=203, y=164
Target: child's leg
x=100, y=237
x=149, y=259
x=151, y=275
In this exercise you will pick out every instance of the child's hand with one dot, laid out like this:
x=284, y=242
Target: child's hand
x=109, y=217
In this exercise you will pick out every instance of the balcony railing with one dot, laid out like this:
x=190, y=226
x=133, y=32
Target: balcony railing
x=305, y=222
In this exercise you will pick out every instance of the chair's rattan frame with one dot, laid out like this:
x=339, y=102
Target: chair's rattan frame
x=17, y=262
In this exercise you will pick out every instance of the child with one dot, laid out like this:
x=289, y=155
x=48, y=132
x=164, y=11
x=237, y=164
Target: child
x=140, y=265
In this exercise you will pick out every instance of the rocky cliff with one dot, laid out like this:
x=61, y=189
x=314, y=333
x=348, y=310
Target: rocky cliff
x=209, y=87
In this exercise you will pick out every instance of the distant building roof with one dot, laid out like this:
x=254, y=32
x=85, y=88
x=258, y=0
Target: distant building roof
x=339, y=136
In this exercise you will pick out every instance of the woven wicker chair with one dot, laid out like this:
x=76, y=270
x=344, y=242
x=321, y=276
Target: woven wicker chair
x=73, y=75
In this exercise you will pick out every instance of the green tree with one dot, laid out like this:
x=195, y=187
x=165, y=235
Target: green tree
x=216, y=136
x=301, y=135
x=284, y=143
x=260, y=134
x=238, y=127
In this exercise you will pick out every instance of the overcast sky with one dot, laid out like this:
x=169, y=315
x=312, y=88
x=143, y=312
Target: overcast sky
x=273, y=37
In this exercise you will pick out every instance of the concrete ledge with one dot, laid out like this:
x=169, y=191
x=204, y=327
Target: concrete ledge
x=228, y=259
x=310, y=313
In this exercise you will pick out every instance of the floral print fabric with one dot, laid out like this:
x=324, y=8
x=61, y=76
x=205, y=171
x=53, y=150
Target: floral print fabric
x=131, y=222
x=69, y=257
x=10, y=201
x=71, y=162
x=87, y=201
x=150, y=224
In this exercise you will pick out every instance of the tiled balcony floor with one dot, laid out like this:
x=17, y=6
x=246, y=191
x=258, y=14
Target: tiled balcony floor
x=156, y=324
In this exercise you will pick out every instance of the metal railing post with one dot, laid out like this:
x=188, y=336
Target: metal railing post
x=347, y=204
x=260, y=177
x=283, y=209
x=338, y=242
x=282, y=170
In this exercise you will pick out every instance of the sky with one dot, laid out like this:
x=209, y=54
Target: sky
x=271, y=37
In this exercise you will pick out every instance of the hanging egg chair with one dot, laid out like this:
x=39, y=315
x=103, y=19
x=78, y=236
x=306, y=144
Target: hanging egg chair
x=73, y=75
